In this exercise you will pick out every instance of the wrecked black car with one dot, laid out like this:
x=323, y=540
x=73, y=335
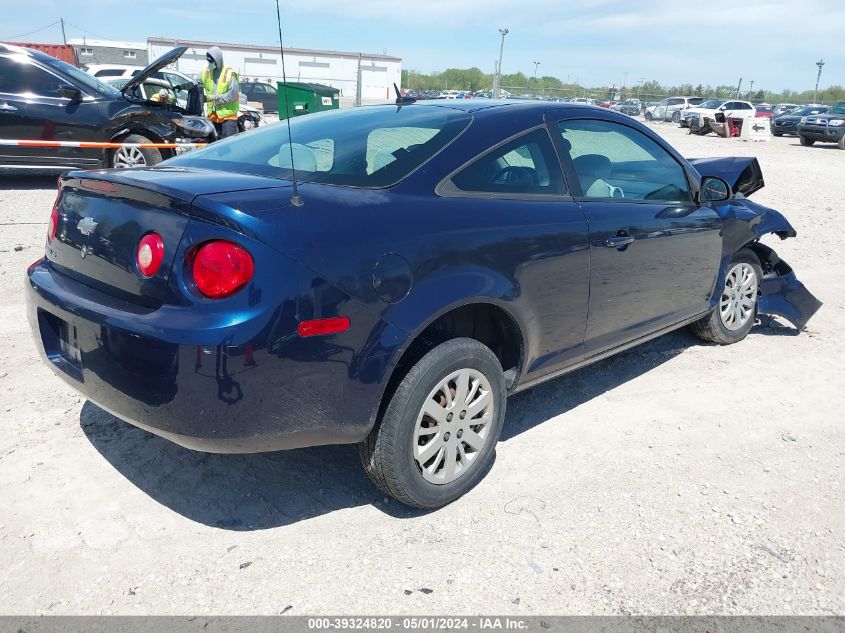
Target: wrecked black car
x=45, y=99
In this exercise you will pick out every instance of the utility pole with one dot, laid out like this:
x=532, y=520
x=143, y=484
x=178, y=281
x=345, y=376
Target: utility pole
x=498, y=78
x=820, y=64
x=750, y=90
x=738, y=88
x=64, y=39
x=358, y=91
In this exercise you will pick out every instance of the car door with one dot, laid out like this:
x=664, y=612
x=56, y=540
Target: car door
x=533, y=233
x=654, y=253
x=660, y=109
x=32, y=109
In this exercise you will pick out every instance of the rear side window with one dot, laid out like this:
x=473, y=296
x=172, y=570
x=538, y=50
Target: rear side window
x=369, y=147
x=527, y=165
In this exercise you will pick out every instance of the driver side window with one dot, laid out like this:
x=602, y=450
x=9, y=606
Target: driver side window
x=612, y=160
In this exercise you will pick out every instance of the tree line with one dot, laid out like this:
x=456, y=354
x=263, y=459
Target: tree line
x=475, y=80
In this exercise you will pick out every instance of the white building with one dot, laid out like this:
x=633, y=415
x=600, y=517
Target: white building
x=340, y=70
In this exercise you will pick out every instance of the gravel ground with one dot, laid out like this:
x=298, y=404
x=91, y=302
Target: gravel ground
x=676, y=478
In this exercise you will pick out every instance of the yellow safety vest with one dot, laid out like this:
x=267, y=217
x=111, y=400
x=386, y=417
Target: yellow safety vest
x=227, y=110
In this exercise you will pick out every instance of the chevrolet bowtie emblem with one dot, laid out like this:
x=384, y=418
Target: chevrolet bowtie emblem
x=87, y=226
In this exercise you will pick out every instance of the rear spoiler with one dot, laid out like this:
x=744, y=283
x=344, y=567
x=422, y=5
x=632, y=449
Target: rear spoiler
x=743, y=174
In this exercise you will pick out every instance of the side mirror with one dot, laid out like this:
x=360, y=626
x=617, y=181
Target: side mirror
x=714, y=189
x=69, y=92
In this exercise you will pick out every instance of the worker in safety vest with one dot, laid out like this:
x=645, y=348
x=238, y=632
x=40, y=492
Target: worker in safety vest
x=222, y=93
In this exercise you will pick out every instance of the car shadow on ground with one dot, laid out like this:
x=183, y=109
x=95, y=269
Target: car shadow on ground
x=267, y=490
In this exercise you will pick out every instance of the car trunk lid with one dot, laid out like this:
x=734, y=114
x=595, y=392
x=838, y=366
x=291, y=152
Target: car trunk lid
x=103, y=216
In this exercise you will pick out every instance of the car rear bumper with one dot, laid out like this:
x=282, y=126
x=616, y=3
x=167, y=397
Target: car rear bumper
x=204, y=388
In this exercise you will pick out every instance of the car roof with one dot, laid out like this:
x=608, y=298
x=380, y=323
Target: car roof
x=496, y=105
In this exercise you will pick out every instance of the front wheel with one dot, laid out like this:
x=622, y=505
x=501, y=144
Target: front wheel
x=736, y=309
x=841, y=142
x=676, y=117
x=126, y=157
x=806, y=142
x=649, y=116
x=439, y=431
x=777, y=133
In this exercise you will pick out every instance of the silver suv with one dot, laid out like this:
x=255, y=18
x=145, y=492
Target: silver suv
x=670, y=109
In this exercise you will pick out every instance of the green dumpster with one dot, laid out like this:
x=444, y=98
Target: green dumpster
x=305, y=98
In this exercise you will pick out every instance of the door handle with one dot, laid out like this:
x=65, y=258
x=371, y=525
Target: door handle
x=7, y=107
x=618, y=241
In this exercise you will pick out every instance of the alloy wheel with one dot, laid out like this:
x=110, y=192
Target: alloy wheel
x=126, y=157
x=453, y=426
x=739, y=297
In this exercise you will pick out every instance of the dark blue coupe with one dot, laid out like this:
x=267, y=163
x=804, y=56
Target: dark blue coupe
x=434, y=259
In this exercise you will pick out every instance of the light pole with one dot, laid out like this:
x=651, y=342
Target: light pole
x=535, y=69
x=820, y=64
x=750, y=89
x=498, y=78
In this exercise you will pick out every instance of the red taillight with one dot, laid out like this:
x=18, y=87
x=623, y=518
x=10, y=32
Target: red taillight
x=54, y=224
x=221, y=269
x=322, y=327
x=150, y=254
x=54, y=215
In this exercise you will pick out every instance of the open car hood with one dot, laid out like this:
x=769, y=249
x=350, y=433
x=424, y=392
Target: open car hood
x=165, y=60
x=742, y=173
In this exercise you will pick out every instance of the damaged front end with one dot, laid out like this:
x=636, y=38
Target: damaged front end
x=745, y=222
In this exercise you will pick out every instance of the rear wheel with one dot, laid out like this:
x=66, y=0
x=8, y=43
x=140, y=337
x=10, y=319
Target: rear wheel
x=777, y=133
x=439, y=431
x=676, y=116
x=126, y=157
x=649, y=116
x=736, y=309
x=806, y=142
x=841, y=142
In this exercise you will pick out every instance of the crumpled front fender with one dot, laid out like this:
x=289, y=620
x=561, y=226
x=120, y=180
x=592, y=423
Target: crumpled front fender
x=780, y=291
x=745, y=222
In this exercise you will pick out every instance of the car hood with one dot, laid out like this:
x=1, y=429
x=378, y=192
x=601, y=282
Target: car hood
x=742, y=173
x=165, y=60
x=826, y=116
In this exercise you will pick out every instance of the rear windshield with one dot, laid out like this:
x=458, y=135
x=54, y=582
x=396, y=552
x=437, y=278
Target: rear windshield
x=368, y=147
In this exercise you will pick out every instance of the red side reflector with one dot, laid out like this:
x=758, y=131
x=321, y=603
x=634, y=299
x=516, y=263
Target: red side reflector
x=54, y=214
x=321, y=327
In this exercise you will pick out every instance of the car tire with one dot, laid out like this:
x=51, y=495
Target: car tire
x=127, y=157
x=649, y=116
x=841, y=142
x=394, y=454
x=676, y=117
x=806, y=142
x=736, y=308
x=777, y=133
